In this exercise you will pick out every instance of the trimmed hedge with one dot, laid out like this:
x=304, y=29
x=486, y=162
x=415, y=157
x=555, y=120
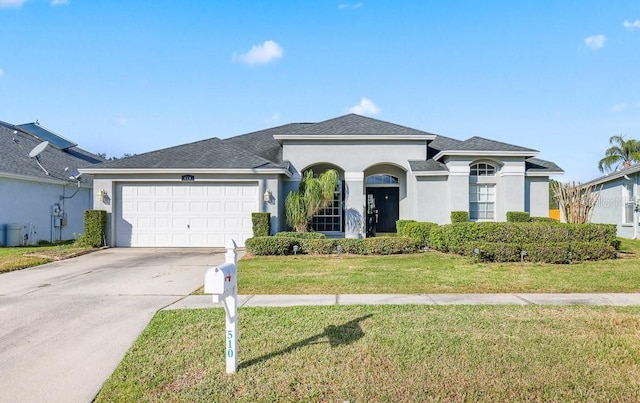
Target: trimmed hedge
x=543, y=219
x=518, y=216
x=557, y=253
x=459, y=216
x=270, y=245
x=369, y=246
x=401, y=224
x=418, y=231
x=453, y=237
x=95, y=228
x=261, y=224
x=301, y=235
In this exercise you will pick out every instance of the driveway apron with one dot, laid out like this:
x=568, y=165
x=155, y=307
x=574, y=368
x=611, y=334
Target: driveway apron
x=65, y=326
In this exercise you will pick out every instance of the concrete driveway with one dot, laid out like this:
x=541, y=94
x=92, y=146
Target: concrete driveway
x=65, y=326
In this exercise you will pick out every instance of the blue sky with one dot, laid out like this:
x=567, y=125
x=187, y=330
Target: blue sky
x=133, y=76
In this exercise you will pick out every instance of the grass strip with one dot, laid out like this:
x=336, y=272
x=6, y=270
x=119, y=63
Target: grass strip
x=387, y=353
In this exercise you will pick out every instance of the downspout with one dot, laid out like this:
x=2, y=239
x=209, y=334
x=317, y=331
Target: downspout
x=635, y=207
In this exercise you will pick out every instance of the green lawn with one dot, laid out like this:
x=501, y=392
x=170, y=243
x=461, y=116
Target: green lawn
x=432, y=272
x=387, y=353
x=23, y=257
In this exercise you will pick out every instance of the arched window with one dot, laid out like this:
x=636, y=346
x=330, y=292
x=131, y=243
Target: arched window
x=382, y=179
x=482, y=169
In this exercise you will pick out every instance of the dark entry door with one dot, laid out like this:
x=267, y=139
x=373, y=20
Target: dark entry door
x=387, y=204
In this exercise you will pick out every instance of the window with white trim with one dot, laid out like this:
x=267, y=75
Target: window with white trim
x=482, y=201
x=482, y=169
x=629, y=203
x=330, y=218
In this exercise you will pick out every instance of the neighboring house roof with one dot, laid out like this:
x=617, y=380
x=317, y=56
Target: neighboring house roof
x=354, y=126
x=60, y=164
x=633, y=169
x=206, y=155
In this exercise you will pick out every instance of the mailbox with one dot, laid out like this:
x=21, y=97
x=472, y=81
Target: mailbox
x=220, y=280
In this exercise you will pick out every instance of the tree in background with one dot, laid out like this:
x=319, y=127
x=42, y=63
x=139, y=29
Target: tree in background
x=553, y=199
x=576, y=200
x=315, y=193
x=625, y=152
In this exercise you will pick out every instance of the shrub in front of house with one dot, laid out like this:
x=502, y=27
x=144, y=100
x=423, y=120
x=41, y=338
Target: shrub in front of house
x=273, y=245
x=261, y=224
x=556, y=253
x=270, y=245
x=401, y=224
x=518, y=216
x=301, y=235
x=459, y=216
x=543, y=219
x=323, y=246
x=95, y=228
x=418, y=231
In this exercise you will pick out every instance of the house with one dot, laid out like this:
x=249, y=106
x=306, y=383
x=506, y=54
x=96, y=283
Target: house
x=203, y=193
x=42, y=196
x=618, y=201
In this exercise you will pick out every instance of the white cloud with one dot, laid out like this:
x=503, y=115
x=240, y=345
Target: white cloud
x=595, y=42
x=273, y=118
x=631, y=25
x=1, y=72
x=12, y=3
x=261, y=54
x=344, y=6
x=618, y=107
x=122, y=121
x=365, y=107
x=59, y=2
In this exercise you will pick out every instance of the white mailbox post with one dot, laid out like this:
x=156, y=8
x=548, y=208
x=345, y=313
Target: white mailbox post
x=222, y=282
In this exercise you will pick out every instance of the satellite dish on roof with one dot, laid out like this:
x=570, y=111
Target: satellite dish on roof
x=38, y=149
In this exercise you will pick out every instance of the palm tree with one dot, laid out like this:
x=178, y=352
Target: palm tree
x=625, y=152
x=314, y=194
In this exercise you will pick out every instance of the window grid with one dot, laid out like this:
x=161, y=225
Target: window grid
x=482, y=169
x=482, y=202
x=330, y=218
x=382, y=179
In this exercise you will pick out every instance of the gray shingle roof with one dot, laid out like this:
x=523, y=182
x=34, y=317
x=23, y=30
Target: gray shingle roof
x=476, y=143
x=429, y=165
x=262, y=143
x=358, y=125
x=60, y=164
x=205, y=154
x=539, y=165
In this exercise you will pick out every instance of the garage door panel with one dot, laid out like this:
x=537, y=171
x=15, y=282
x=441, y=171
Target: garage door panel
x=183, y=215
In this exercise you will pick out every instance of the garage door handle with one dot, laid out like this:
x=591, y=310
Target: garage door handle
x=188, y=226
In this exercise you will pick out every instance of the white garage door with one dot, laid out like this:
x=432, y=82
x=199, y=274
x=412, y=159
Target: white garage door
x=185, y=215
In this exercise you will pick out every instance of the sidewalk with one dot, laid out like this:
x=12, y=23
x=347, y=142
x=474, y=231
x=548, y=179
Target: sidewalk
x=617, y=299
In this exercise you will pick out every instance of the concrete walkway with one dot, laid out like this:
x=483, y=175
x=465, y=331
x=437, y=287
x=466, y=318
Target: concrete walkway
x=617, y=299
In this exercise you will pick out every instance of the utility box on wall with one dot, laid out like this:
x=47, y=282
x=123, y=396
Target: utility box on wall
x=13, y=234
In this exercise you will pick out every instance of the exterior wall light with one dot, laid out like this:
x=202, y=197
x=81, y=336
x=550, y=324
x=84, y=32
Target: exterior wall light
x=267, y=196
x=102, y=194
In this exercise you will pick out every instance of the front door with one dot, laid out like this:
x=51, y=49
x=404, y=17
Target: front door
x=385, y=208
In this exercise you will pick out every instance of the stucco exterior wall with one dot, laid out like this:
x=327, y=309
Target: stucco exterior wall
x=611, y=207
x=537, y=196
x=353, y=156
x=431, y=200
x=30, y=204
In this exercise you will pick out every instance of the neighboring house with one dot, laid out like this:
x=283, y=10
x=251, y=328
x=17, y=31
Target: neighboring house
x=618, y=200
x=203, y=193
x=41, y=196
